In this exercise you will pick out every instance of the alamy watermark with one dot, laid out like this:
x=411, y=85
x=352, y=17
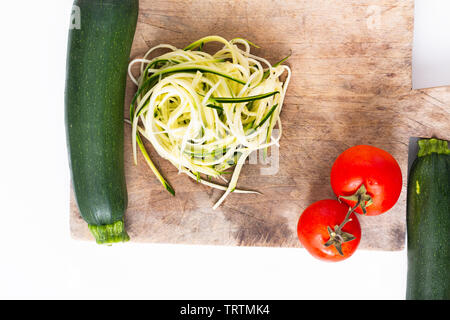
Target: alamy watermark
x=75, y=18
x=269, y=160
x=373, y=20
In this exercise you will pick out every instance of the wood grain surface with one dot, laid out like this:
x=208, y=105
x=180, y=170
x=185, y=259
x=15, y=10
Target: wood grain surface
x=351, y=84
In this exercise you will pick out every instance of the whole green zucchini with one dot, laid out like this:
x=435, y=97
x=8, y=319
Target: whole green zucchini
x=99, y=46
x=428, y=223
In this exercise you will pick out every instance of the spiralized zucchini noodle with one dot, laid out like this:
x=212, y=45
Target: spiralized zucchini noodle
x=207, y=113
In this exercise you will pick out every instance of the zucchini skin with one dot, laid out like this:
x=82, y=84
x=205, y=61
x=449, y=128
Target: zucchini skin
x=97, y=62
x=428, y=223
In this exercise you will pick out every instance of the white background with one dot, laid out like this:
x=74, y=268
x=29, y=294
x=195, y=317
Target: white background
x=38, y=259
x=431, y=52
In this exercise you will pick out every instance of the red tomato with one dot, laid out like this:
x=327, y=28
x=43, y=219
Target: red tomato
x=313, y=233
x=372, y=167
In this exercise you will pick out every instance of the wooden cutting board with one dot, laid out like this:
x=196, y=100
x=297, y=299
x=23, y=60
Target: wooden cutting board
x=351, y=84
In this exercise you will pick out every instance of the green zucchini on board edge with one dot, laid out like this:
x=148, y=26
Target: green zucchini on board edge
x=100, y=39
x=428, y=223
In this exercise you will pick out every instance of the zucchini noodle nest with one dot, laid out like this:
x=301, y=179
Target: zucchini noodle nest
x=206, y=113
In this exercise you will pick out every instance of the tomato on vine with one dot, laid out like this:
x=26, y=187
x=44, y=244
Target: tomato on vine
x=368, y=178
x=328, y=230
